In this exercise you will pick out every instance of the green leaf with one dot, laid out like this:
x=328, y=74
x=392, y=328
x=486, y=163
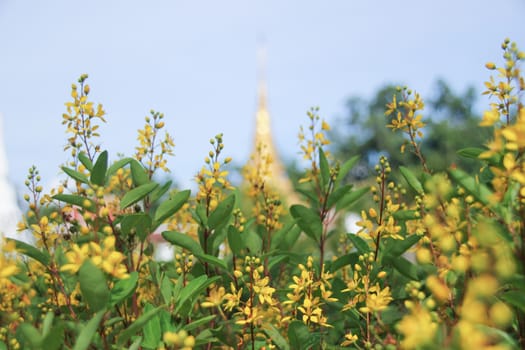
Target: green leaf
x=184, y=241
x=235, y=240
x=308, y=221
x=137, y=326
x=84, y=159
x=197, y=323
x=403, y=266
x=136, y=344
x=324, y=169
x=276, y=337
x=124, y=288
x=470, y=152
x=160, y=191
x=299, y=336
x=345, y=168
x=138, y=223
x=213, y=260
x=252, y=241
x=30, y=336
x=75, y=175
x=192, y=291
x=347, y=259
x=351, y=197
x=404, y=215
x=116, y=166
x=137, y=194
x=47, y=323
x=398, y=247
x=359, y=243
x=54, y=339
x=138, y=173
x=152, y=330
x=98, y=174
x=222, y=213
x=88, y=331
x=73, y=199
x=336, y=195
x=411, y=179
x=171, y=206
x=514, y=298
x=93, y=286
x=42, y=256
x=473, y=187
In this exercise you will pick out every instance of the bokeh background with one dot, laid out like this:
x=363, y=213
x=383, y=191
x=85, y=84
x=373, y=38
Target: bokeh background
x=196, y=61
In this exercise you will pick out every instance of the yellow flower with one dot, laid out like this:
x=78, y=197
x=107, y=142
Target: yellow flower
x=417, y=328
x=215, y=298
x=76, y=258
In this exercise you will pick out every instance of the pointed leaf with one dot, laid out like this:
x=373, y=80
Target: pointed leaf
x=470, y=152
x=403, y=266
x=212, y=260
x=324, y=168
x=397, y=247
x=276, y=337
x=42, y=256
x=222, y=213
x=73, y=199
x=136, y=326
x=514, y=298
x=336, y=195
x=171, y=206
x=54, y=339
x=299, y=336
x=137, y=194
x=184, y=241
x=359, y=243
x=138, y=173
x=93, y=286
x=197, y=323
x=472, y=186
x=411, y=179
x=152, y=330
x=136, y=224
x=235, y=240
x=88, y=331
x=30, y=335
x=345, y=168
x=193, y=289
x=351, y=197
x=98, y=174
x=84, y=159
x=75, y=175
x=124, y=288
x=308, y=221
x=160, y=191
x=116, y=166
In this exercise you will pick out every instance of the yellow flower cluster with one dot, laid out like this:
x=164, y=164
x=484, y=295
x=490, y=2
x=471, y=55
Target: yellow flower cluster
x=309, y=293
x=179, y=340
x=105, y=257
x=149, y=145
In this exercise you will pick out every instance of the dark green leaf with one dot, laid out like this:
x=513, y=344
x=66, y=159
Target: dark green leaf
x=136, y=326
x=411, y=179
x=88, y=331
x=404, y=215
x=183, y=240
x=336, y=196
x=470, y=152
x=42, y=256
x=116, y=166
x=345, y=168
x=138, y=173
x=152, y=331
x=124, y=288
x=93, y=286
x=234, y=240
x=398, y=247
x=299, y=336
x=193, y=289
x=73, y=199
x=222, y=213
x=308, y=220
x=324, y=169
x=98, y=174
x=351, y=197
x=197, y=323
x=30, y=336
x=212, y=260
x=276, y=337
x=359, y=243
x=252, y=241
x=171, y=206
x=84, y=159
x=137, y=194
x=160, y=191
x=54, y=339
x=136, y=224
x=403, y=266
x=75, y=175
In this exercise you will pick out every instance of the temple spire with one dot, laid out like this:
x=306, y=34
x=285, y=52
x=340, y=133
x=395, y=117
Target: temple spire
x=264, y=151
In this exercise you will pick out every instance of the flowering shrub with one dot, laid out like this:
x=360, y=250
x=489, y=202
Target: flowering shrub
x=437, y=262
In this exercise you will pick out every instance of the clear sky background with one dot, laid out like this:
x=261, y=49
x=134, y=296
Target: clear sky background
x=196, y=62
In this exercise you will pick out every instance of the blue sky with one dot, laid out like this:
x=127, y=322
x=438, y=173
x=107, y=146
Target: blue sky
x=195, y=61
